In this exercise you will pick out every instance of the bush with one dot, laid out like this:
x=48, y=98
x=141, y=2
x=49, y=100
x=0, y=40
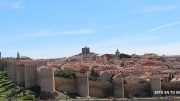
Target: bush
x=142, y=81
x=68, y=73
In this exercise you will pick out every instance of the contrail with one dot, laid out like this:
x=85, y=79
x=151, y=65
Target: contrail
x=164, y=26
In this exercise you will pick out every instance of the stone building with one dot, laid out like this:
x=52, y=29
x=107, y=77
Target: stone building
x=85, y=50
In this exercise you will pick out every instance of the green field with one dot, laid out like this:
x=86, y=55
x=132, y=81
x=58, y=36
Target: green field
x=9, y=90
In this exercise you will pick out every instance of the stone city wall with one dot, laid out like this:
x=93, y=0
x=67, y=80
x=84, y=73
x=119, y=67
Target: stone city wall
x=28, y=74
x=20, y=77
x=175, y=86
x=31, y=75
x=65, y=84
x=1, y=65
x=82, y=86
x=137, y=89
x=140, y=99
x=100, y=88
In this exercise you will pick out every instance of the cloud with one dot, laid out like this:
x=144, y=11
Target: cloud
x=167, y=49
x=11, y=5
x=158, y=8
x=126, y=40
x=146, y=38
x=164, y=26
x=43, y=52
x=45, y=33
x=164, y=48
x=48, y=33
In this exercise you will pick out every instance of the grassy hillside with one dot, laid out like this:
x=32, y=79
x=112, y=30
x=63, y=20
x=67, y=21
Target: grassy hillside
x=9, y=90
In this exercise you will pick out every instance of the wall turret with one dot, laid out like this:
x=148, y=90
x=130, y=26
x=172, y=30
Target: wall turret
x=118, y=87
x=155, y=86
x=82, y=82
x=30, y=73
x=47, y=79
x=20, y=79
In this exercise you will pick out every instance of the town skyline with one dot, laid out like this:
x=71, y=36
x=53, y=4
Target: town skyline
x=18, y=55
x=44, y=29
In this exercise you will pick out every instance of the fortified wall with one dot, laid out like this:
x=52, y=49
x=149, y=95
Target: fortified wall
x=30, y=74
x=174, y=86
x=34, y=73
x=83, y=87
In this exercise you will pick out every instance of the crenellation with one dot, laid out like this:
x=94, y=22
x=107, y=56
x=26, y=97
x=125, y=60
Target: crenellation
x=102, y=84
x=30, y=64
x=65, y=78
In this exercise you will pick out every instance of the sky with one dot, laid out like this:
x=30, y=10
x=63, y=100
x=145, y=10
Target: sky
x=60, y=28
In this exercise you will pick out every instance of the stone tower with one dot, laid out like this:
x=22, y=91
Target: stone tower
x=85, y=50
x=82, y=82
x=30, y=72
x=155, y=86
x=118, y=87
x=47, y=79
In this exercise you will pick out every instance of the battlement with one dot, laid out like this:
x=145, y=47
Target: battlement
x=11, y=61
x=102, y=84
x=45, y=68
x=62, y=78
x=20, y=63
x=138, y=85
x=30, y=64
x=155, y=78
x=175, y=82
x=81, y=75
x=117, y=78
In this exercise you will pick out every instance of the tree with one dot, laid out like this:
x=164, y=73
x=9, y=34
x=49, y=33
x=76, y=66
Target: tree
x=68, y=73
x=94, y=73
x=94, y=76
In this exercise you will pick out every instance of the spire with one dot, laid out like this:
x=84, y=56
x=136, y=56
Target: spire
x=18, y=55
x=0, y=55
